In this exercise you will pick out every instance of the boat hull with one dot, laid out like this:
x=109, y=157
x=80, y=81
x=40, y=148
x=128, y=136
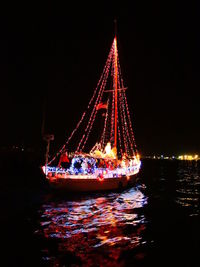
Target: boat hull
x=92, y=184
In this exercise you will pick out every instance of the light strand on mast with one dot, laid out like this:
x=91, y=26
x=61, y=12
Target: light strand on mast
x=112, y=123
x=84, y=113
x=121, y=113
x=94, y=111
x=129, y=143
x=120, y=141
x=91, y=119
x=112, y=119
x=130, y=124
x=92, y=122
x=115, y=88
x=122, y=122
x=128, y=140
x=128, y=113
x=102, y=139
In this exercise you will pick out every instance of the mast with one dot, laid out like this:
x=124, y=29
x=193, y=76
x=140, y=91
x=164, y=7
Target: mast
x=115, y=87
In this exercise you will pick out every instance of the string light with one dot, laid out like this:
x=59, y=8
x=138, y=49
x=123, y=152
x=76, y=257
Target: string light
x=130, y=124
x=125, y=136
x=123, y=128
x=94, y=111
x=102, y=139
x=129, y=143
x=88, y=107
x=127, y=110
x=119, y=139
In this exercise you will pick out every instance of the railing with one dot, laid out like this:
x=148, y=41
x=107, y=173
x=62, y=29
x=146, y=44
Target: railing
x=106, y=173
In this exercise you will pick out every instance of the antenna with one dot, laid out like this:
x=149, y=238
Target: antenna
x=115, y=22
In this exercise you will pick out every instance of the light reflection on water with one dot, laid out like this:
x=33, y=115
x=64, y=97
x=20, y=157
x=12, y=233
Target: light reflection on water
x=127, y=228
x=94, y=227
x=187, y=187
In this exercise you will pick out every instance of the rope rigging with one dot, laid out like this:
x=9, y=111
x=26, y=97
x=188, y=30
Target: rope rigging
x=117, y=126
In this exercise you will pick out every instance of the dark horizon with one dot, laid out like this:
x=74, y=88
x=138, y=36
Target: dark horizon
x=56, y=53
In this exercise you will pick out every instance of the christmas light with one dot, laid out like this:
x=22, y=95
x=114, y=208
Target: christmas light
x=88, y=107
x=98, y=100
x=123, y=128
x=117, y=134
x=102, y=140
x=120, y=142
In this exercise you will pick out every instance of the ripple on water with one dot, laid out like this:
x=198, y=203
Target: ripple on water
x=187, y=187
x=104, y=223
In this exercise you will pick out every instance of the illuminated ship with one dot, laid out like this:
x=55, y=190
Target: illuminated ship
x=113, y=161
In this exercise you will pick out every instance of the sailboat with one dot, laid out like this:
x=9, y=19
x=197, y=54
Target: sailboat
x=100, y=153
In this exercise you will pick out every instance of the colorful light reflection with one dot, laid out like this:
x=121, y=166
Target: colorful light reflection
x=88, y=227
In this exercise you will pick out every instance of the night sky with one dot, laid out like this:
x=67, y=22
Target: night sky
x=56, y=53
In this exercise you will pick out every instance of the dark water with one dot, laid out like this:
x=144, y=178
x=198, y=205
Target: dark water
x=155, y=223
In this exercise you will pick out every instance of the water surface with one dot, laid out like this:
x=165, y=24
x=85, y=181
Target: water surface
x=156, y=222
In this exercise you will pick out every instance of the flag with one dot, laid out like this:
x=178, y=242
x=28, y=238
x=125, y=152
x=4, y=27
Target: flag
x=101, y=105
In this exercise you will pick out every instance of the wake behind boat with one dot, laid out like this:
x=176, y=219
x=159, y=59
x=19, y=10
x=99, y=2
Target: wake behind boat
x=113, y=162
